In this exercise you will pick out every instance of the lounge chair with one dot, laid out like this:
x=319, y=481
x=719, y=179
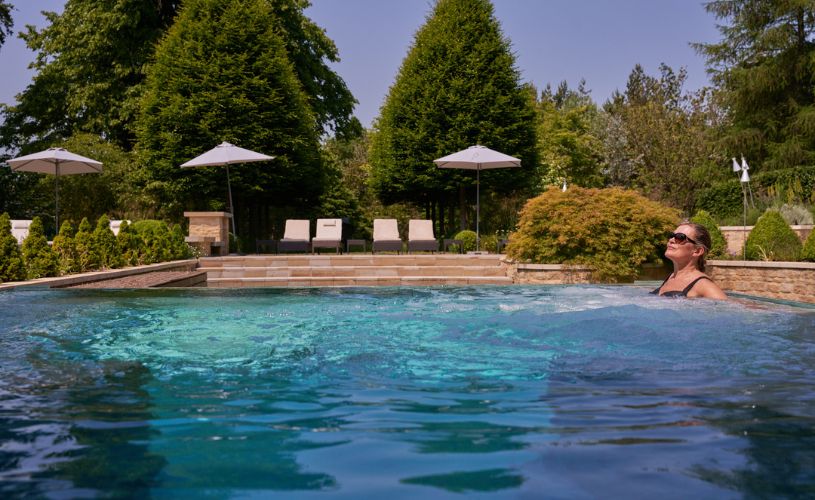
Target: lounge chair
x=19, y=229
x=386, y=236
x=420, y=236
x=296, y=237
x=329, y=235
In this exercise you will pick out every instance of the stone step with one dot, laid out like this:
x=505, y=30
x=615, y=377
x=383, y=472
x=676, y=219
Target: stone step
x=307, y=260
x=351, y=271
x=351, y=281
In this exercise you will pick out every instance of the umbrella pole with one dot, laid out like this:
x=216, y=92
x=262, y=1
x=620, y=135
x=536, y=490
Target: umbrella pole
x=231, y=208
x=477, y=209
x=56, y=193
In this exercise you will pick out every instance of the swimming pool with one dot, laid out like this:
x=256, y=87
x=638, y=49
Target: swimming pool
x=505, y=392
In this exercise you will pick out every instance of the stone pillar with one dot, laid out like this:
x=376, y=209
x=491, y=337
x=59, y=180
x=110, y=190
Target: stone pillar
x=209, y=231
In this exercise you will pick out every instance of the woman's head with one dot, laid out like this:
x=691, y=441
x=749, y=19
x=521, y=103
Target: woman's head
x=689, y=241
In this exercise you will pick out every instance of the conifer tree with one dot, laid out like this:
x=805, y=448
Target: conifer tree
x=104, y=241
x=40, y=261
x=11, y=260
x=222, y=73
x=763, y=65
x=458, y=86
x=87, y=258
x=65, y=248
x=129, y=243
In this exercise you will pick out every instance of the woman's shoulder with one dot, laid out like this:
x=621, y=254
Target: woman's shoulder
x=707, y=288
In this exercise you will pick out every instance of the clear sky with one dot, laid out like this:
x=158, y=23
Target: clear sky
x=553, y=40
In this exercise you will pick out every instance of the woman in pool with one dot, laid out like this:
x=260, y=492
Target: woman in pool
x=687, y=247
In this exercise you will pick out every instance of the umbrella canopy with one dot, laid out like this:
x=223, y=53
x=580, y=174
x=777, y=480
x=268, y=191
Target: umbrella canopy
x=55, y=161
x=227, y=154
x=477, y=158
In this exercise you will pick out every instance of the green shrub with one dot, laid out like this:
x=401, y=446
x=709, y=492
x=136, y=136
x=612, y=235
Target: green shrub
x=718, y=242
x=11, y=260
x=773, y=239
x=612, y=231
x=180, y=248
x=467, y=238
x=808, y=252
x=489, y=243
x=130, y=245
x=156, y=238
x=65, y=249
x=87, y=256
x=40, y=260
x=724, y=200
x=105, y=243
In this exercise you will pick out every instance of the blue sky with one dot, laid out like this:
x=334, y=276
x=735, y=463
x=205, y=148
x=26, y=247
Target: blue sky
x=553, y=40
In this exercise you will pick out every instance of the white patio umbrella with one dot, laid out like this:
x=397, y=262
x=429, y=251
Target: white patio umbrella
x=227, y=154
x=55, y=161
x=477, y=158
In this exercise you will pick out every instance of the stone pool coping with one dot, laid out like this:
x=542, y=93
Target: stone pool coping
x=82, y=278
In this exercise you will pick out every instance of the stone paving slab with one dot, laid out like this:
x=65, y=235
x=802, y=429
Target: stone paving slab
x=150, y=280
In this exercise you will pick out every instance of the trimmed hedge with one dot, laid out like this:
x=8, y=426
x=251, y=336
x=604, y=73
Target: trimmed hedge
x=467, y=238
x=40, y=260
x=12, y=267
x=613, y=231
x=808, y=251
x=773, y=239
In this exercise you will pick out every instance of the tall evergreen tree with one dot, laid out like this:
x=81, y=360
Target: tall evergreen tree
x=765, y=66
x=222, y=74
x=458, y=86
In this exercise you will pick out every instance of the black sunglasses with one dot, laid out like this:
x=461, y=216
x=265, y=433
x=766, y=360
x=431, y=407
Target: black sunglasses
x=681, y=238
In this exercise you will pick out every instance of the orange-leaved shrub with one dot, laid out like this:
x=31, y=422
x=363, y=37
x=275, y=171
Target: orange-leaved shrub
x=612, y=231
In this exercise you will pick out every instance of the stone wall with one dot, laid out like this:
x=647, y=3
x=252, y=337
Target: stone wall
x=735, y=236
x=547, y=274
x=793, y=281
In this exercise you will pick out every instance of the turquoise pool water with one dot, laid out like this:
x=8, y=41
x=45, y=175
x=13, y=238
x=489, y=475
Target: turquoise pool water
x=500, y=392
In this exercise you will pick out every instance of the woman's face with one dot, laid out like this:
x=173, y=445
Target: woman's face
x=679, y=246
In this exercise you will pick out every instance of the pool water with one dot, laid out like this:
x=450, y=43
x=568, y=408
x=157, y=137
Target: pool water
x=500, y=392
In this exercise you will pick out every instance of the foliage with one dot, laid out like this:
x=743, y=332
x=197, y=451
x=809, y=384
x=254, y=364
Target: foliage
x=130, y=245
x=179, y=248
x=11, y=260
x=763, y=67
x=310, y=50
x=718, y=248
x=157, y=241
x=104, y=242
x=489, y=243
x=808, y=251
x=792, y=185
x=89, y=63
x=795, y=214
x=222, y=74
x=6, y=22
x=40, y=261
x=568, y=140
x=458, y=86
x=773, y=239
x=65, y=248
x=88, y=257
x=612, y=231
x=467, y=238
x=656, y=137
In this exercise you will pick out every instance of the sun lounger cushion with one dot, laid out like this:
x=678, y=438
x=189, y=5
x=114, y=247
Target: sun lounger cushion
x=386, y=236
x=19, y=229
x=420, y=236
x=328, y=230
x=297, y=229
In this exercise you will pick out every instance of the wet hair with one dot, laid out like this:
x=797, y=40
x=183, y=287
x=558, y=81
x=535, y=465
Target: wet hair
x=702, y=239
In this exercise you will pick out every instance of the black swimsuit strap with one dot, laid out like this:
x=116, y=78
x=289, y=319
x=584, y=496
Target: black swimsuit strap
x=690, y=285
